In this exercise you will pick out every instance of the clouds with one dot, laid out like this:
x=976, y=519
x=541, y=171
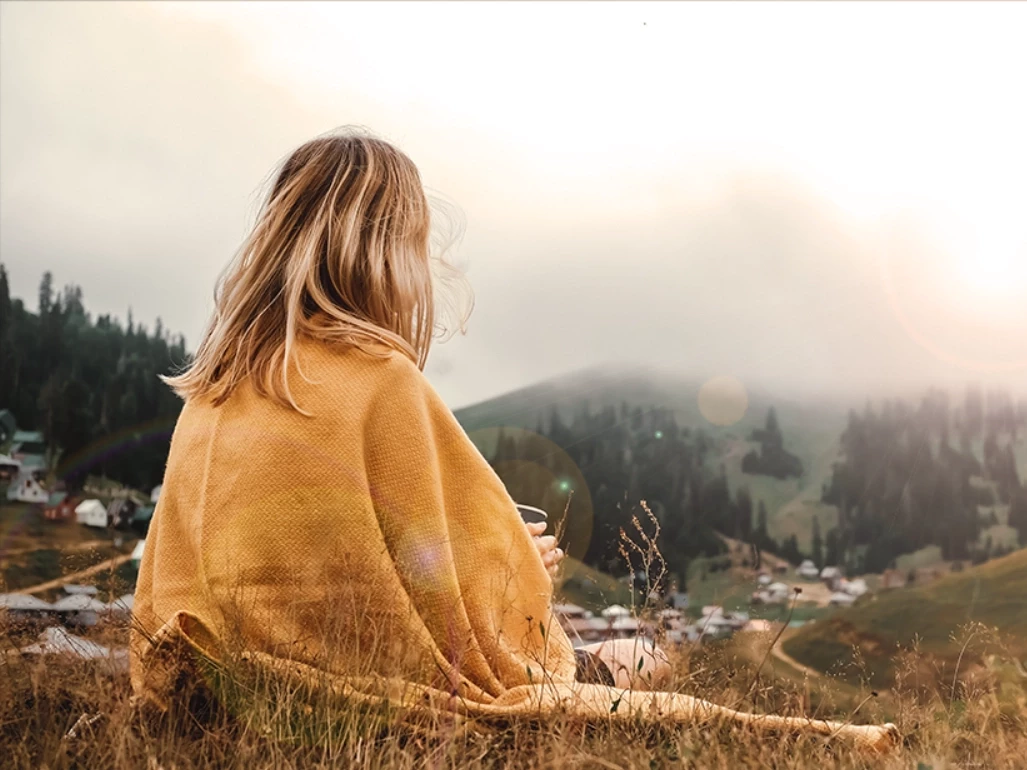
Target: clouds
x=713, y=206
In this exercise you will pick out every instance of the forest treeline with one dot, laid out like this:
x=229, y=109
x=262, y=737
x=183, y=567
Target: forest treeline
x=89, y=384
x=934, y=473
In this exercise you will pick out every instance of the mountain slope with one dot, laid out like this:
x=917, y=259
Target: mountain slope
x=933, y=617
x=811, y=431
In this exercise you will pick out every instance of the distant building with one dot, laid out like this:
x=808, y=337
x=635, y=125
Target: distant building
x=91, y=513
x=842, y=599
x=9, y=467
x=60, y=507
x=855, y=588
x=8, y=425
x=808, y=570
x=120, y=512
x=80, y=609
x=831, y=576
x=893, y=578
x=24, y=608
x=137, y=553
x=27, y=488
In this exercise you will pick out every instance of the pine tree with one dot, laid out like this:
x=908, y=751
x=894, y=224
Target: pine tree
x=818, y=545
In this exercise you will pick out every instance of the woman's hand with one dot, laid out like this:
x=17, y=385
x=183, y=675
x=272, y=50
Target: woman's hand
x=551, y=555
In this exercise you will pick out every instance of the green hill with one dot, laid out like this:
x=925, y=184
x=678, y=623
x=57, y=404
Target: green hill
x=934, y=617
x=811, y=431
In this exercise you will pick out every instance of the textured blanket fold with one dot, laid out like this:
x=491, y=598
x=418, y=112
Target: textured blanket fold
x=367, y=548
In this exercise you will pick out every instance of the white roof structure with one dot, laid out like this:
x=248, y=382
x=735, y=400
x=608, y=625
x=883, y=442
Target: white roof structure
x=808, y=569
x=55, y=641
x=137, y=552
x=78, y=603
x=625, y=624
x=92, y=513
x=842, y=598
x=25, y=489
x=615, y=611
x=24, y=603
x=72, y=588
x=830, y=573
x=856, y=587
x=567, y=610
x=122, y=605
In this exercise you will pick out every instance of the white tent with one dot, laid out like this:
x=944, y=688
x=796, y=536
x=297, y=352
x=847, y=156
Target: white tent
x=25, y=489
x=91, y=513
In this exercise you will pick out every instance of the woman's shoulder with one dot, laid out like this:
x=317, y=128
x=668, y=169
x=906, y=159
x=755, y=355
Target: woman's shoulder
x=371, y=369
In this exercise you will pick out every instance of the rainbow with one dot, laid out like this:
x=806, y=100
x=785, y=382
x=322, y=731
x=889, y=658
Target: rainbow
x=113, y=444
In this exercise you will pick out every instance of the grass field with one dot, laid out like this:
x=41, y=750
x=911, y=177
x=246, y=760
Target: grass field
x=60, y=714
x=955, y=621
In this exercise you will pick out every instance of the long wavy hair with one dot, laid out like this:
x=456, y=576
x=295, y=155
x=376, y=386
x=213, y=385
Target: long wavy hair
x=342, y=252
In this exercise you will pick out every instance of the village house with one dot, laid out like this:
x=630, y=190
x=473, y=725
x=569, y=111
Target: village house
x=79, y=609
x=831, y=576
x=91, y=513
x=23, y=608
x=27, y=487
x=808, y=570
x=8, y=425
x=60, y=507
x=9, y=467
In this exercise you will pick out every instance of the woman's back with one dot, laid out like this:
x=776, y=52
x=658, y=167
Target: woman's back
x=366, y=538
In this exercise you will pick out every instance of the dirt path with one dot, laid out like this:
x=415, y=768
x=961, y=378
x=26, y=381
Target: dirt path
x=109, y=564
x=779, y=653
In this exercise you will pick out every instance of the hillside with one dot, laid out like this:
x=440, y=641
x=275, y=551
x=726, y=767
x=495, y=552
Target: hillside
x=933, y=617
x=811, y=431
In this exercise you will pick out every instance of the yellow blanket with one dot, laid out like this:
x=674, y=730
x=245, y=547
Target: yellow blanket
x=368, y=549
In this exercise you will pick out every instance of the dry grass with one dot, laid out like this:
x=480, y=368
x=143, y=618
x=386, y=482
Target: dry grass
x=43, y=701
x=64, y=714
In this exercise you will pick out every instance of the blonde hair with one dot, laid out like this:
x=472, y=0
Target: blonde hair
x=341, y=253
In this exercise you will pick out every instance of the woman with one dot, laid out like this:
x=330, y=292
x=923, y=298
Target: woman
x=323, y=515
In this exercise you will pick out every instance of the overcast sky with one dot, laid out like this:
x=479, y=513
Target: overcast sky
x=813, y=196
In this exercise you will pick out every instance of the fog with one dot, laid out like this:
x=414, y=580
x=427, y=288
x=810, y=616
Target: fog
x=815, y=199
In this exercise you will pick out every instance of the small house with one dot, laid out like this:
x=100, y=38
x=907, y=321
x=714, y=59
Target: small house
x=855, y=588
x=831, y=576
x=8, y=425
x=137, y=553
x=120, y=512
x=91, y=513
x=26, y=488
x=808, y=570
x=60, y=507
x=24, y=608
x=75, y=589
x=80, y=609
x=9, y=467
